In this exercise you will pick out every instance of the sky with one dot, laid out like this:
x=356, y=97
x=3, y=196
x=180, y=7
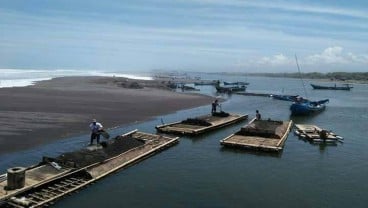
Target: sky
x=196, y=35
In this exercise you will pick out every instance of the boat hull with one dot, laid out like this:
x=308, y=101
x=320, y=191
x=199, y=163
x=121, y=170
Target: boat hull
x=285, y=97
x=230, y=89
x=236, y=83
x=319, y=87
x=306, y=108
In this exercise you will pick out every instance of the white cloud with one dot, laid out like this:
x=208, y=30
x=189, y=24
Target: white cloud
x=293, y=7
x=331, y=56
x=276, y=60
x=336, y=55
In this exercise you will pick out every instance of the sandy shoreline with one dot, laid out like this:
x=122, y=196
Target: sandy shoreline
x=62, y=107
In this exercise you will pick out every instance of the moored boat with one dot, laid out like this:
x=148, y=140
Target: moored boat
x=230, y=89
x=201, y=124
x=307, y=107
x=284, y=97
x=314, y=133
x=54, y=178
x=236, y=83
x=206, y=82
x=320, y=87
x=265, y=135
x=188, y=88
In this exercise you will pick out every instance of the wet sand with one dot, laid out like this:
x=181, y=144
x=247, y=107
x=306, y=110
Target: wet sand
x=63, y=107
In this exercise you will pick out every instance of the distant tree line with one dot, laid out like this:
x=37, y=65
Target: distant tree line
x=342, y=76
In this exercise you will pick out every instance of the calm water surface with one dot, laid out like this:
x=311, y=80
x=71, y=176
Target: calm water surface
x=198, y=172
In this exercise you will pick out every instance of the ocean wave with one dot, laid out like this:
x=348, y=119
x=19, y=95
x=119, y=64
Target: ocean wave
x=20, y=82
x=26, y=77
x=129, y=76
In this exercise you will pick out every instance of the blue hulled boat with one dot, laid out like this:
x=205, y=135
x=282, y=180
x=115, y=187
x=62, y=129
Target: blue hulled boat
x=319, y=87
x=307, y=107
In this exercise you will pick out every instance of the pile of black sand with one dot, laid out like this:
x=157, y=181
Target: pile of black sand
x=85, y=157
x=220, y=114
x=196, y=121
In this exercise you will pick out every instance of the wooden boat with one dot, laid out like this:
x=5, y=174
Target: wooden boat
x=265, y=135
x=236, y=83
x=201, y=124
x=253, y=94
x=188, y=88
x=54, y=178
x=230, y=89
x=307, y=107
x=206, y=82
x=315, y=134
x=284, y=97
x=320, y=87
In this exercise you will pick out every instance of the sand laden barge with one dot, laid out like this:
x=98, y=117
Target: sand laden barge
x=201, y=124
x=265, y=135
x=46, y=182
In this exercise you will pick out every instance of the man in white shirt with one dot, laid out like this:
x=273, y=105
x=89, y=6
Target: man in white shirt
x=95, y=127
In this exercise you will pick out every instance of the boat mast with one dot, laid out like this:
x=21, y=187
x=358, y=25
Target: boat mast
x=300, y=75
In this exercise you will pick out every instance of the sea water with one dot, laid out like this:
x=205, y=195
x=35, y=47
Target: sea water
x=198, y=172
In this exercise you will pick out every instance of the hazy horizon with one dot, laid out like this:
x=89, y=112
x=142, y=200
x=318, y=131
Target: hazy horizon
x=185, y=35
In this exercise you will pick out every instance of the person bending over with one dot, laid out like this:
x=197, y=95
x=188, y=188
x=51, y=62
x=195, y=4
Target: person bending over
x=95, y=127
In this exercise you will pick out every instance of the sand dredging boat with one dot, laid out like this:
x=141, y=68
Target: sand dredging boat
x=53, y=178
x=201, y=124
x=266, y=135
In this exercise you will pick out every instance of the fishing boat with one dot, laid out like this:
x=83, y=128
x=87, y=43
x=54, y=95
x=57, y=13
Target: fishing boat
x=201, y=124
x=206, y=82
x=265, y=135
x=222, y=89
x=314, y=133
x=284, y=97
x=320, y=87
x=260, y=94
x=188, y=88
x=306, y=107
x=236, y=83
x=53, y=178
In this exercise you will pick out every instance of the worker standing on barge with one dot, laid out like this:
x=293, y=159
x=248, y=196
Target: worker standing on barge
x=214, y=106
x=95, y=127
x=258, y=115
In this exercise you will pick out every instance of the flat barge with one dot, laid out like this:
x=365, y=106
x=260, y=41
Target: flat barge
x=265, y=135
x=201, y=124
x=316, y=134
x=54, y=178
